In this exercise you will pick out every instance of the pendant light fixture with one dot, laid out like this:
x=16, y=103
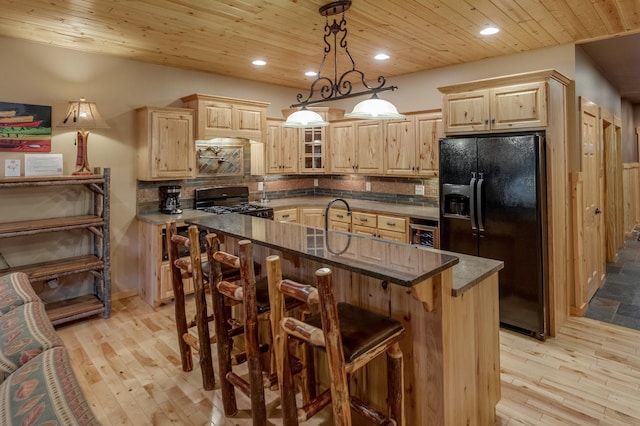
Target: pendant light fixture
x=341, y=86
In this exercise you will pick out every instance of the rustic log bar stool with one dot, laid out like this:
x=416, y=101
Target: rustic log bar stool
x=184, y=268
x=351, y=337
x=244, y=292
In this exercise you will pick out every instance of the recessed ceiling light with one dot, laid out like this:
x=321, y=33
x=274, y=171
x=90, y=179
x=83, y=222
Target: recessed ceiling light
x=381, y=56
x=489, y=30
x=259, y=62
x=310, y=73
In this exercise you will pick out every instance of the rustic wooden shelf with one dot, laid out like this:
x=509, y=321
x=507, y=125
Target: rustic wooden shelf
x=97, y=262
x=75, y=308
x=58, y=268
x=28, y=227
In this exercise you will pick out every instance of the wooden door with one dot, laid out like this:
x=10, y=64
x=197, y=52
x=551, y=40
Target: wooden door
x=429, y=129
x=173, y=149
x=274, y=131
x=343, y=147
x=312, y=216
x=400, y=149
x=288, y=150
x=519, y=106
x=466, y=111
x=370, y=154
x=590, y=167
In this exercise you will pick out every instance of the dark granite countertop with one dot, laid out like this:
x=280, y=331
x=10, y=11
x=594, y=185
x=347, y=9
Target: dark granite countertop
x=419, y=212
x=401, y=264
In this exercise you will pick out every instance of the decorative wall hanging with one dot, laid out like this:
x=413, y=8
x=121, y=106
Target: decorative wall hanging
x=25, y=127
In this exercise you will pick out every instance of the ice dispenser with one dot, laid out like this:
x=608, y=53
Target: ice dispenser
x=456, y=199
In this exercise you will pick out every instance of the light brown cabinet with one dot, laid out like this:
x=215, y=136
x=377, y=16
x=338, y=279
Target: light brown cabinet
x=518, y=106
x=222, y=117
x=383, y=226
x=339, y=220
x=286, y=215
x=281, y=148
x=412, y=145
x=166, y=148
x=312, y=145
x=312, y=216
x=357, y=147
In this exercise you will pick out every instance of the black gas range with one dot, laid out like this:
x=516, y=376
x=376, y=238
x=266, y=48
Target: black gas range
x=229, y=199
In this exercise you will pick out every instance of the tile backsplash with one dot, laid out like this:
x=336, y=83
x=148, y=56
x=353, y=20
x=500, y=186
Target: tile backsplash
x=387, y=189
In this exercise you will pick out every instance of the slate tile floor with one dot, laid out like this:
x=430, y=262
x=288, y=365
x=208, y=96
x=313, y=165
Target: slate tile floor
x=618, y=301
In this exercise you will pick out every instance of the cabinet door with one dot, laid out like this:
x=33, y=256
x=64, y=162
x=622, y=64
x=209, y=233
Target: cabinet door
x=343, y=147
x=272, y=148
x=312, y=155
x=172, y=145
x=429, y=130
x=286, y=215
x=370, y=153
x=166, y=287
x=400, y=149
x=519, y=106
x=216, y=116
x=290, y=138
x=247, y=118
x=466, y=111
x=312, y=216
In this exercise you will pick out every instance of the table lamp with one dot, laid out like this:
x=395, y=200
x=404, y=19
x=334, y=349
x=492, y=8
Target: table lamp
x=83, y=115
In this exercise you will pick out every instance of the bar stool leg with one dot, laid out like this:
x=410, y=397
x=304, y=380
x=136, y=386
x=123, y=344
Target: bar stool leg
x=395, y=383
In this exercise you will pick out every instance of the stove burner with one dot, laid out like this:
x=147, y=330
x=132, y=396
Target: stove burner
x=223, y=200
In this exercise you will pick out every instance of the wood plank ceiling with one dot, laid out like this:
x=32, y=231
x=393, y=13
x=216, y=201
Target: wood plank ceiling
x=223, y=37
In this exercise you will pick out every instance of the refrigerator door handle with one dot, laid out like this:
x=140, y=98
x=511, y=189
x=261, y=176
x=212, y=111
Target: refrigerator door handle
x=479, y=202
x=472, y=201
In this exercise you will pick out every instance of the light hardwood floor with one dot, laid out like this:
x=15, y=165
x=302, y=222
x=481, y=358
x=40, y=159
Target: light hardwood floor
x=130, y=371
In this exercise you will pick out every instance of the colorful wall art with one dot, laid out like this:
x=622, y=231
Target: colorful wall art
x=25, y=127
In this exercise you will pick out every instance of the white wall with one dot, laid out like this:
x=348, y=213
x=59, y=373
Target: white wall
x=40, y=74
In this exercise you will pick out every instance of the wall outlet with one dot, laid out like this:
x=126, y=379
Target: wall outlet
x=260, y=186
x=315, y=182
x=367, y=186
x=419, y=189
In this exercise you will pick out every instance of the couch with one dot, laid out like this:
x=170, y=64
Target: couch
x=37, y=383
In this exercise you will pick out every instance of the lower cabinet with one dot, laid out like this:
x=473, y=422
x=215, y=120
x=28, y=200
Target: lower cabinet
x=312, y=216
x=387, y=227
x=154, y=270
x=286, y=215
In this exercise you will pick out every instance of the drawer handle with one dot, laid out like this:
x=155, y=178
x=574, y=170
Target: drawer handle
x=285, y=215
x=391, y=224
x=364, y=219
x=339, y=216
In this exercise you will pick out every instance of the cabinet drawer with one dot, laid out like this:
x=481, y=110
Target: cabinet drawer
x=392, y=223
x=364, y=219
x=338, y=215
x=393, y=235
x=286, y=215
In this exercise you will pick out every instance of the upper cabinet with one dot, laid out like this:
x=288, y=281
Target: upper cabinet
x=517, y=106
x=312, y=146
x=281, y=149
x=220, y=117
x=411, y=147
x=357, y=147
x=166, y=147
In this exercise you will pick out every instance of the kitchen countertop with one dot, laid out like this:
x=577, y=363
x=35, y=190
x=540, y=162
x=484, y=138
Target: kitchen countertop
x=419, y=212
x=412, y=264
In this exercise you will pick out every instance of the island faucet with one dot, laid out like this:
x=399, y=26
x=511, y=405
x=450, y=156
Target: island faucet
x=326, y=211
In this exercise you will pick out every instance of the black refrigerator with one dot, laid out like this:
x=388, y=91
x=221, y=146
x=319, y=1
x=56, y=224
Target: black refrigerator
x=492, y=205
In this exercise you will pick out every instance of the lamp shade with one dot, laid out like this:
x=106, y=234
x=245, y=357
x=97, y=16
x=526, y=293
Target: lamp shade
x=374, y=108
x=305, y=119
x=83, y=115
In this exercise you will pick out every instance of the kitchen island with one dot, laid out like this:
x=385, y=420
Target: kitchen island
x=448, y=304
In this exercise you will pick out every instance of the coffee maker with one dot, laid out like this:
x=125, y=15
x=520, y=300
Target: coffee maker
x=170, y=199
